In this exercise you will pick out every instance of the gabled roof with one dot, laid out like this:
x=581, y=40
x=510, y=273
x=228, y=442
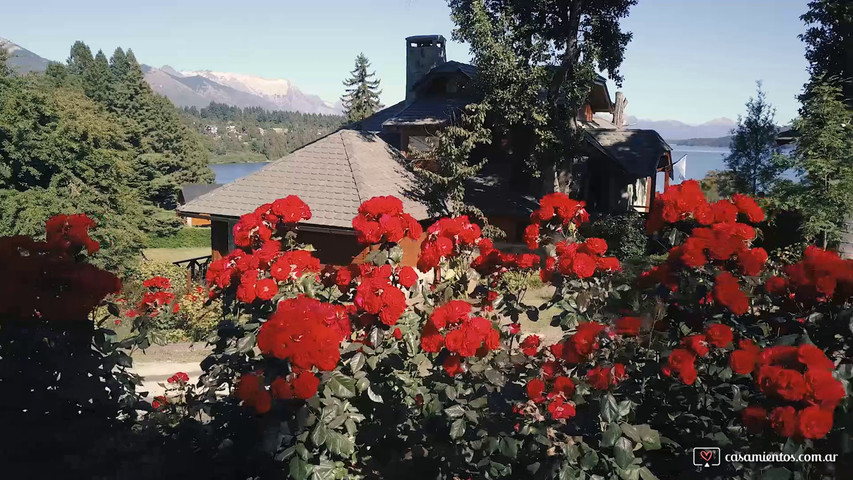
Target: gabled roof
x=636, y=151
x=374, y=122
x=333, y=175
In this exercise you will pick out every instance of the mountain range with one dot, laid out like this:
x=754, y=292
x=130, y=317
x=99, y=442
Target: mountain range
x=673, y=130
x=199, y=88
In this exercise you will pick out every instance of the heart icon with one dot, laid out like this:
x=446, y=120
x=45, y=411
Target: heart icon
x=706, y=455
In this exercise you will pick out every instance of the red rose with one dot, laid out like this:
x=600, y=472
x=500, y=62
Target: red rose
x=748, y=207
x=281, y=389
x=776, y=285
x=599, y=378
x=754, y=418
x=305, y=385
x=530, y=345
x=431, y=339
x=814, y=358
x=595, y=246
x=608, y=264
x=813, y=422
x=407, y=277
x=397, y=334
x=583, y=265
x=719, y=335
x=743, y=361
x=698, y=344
x=627, y=325
x=727, y=292
x=266, y=288
x=789, y=384
x=564, y=386
x=823, y=389
x=531, y=236
x=535, y=389
x=784, y=421
x=681, y=359
x=560, y=409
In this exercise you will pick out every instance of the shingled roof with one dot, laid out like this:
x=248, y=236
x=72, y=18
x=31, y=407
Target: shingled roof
x=636, y=151
x=333, y=175
x=428, y=111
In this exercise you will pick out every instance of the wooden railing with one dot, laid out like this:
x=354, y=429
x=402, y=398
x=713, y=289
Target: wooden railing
x=196, y=268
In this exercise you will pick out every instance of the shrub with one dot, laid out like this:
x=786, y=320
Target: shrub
x=359, y=372
x=623, y=233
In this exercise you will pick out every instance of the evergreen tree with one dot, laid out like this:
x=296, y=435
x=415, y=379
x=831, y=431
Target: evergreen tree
x=4, y=58
x=442, y=173
x=361, y=99
x=823, y=160
x=829, y=43
x=80, y=60
x=536, y=64
x=753, y=148
x=98, y=80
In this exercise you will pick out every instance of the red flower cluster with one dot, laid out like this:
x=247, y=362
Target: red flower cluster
x=556, y=210
x=580, y=259
x=302, y=385
x=492, y=261
x=378, y=297
x=306, y=332
x=249, y=269
x=562, y=390
x=628, y=326
x=727, y=292
x=156, y=300
x=682, y=360
x=686, y=200
x=451, y=326
x=252, y=391
x=601, y=378
x=580, y=345
x=47, y=280
x=530, y=345
x=820, y=274
x=381, y=219
x=802, y=375
x=448, y=237
x=258, y=227
x=180, y=378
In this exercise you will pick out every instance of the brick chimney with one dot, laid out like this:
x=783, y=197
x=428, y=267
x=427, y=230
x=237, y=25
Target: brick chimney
x=423, y=53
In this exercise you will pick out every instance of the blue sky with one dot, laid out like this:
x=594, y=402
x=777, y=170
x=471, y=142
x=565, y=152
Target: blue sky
x=690, y=60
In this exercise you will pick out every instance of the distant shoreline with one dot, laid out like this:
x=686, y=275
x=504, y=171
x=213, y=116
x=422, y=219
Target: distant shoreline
x=719, y=142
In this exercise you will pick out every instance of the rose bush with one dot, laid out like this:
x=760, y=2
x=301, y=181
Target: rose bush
x=366, y=371
x=362, y=372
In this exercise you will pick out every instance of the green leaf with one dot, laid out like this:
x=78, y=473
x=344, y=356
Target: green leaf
x=124, y=359
x=457, y=429
x=341, y=385
x=246, y=343
x=609, y=409
x=318, y=435
x=495, y=377
x=339, y=444
x=454, y=411
x=613, y=432
x=589, y=460
x=631, y=432
x=508, y=447
x=649, y=437
x=623, y=452
x=300, y=469
x=356, y=362
x=325, y=470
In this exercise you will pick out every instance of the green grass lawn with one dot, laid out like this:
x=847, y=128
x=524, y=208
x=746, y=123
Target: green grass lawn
x=175, y=254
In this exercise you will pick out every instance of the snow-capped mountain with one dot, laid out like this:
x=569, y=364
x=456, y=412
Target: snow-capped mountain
x=199, y=88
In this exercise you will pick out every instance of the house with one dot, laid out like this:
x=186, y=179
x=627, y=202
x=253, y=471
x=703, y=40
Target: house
x=190, y=192
x=334, y=174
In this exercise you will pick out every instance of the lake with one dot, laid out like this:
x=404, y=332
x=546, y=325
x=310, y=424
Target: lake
x=699, y=161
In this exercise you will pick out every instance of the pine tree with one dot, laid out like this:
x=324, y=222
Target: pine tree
x=823, y=160
x=829, y=42
x=361, y=99
x=753, y=148
x=4, y=57
x=442, y=173
x=98, y=80
x=80, y=60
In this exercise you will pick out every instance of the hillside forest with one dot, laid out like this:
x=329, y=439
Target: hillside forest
x=253, y=134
